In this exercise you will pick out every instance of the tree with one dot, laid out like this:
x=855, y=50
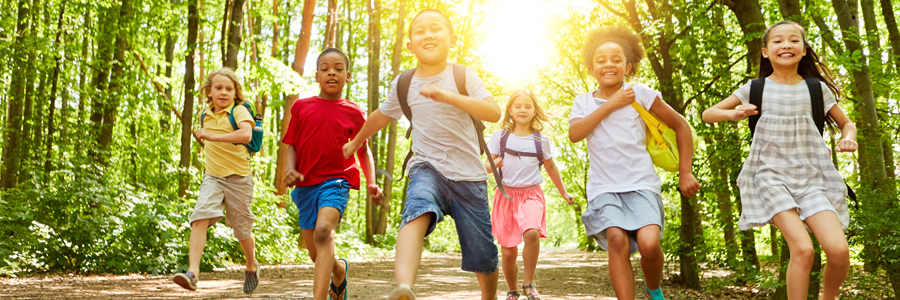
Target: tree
x=374, y=49
x=187, y=116
x=12, y=152
x=234, y=34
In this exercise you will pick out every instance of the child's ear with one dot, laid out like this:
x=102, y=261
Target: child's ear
x=453, y=40
x=765, y=52
x=627, y=69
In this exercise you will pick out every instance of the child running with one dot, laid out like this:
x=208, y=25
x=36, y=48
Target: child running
x=322, y=177
x=446, y=174
x=519, y=150
x=789, y=178
x=228, y=181
x=625, y=212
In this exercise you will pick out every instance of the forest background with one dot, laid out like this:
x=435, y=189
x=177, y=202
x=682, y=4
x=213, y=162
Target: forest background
x=100, y=170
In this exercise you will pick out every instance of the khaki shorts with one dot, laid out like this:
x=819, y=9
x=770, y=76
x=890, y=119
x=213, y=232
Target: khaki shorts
x=235, y=194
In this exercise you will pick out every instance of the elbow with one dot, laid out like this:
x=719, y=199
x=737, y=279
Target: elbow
x=245, y=139
x=494, y=115
x=705, y=116
x=574, y=138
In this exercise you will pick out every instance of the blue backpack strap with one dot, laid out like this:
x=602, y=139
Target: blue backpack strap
x=539, y=147
x=202, y=117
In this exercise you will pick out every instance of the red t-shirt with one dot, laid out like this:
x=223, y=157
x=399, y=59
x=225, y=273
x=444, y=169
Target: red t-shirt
x=319, y=128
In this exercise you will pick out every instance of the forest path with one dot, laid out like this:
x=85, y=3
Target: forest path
x=562, y=274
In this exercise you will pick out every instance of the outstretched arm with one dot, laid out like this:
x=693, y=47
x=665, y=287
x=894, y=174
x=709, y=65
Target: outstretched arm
x=689, y=184
x=724, y=111
x=241, y=136
x=483, y=109
x=374, y=123
x=553, y=172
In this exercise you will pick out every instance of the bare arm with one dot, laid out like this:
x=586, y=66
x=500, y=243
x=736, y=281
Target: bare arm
x=689, y=184
x=581, y=128
x=553, y=172
x=241, y=136
x=291, y=176
x=848, y=130
x=484, y=109
x=374, y=123
x=498, y=162
x=724, y=111
x=368, y=167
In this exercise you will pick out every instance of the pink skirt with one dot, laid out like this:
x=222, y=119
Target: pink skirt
x=511, y=218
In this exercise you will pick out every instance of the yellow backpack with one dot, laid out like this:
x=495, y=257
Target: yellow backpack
x=661, y=140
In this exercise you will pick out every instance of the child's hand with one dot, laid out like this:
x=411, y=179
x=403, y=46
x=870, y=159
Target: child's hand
x=744, y=111
x=568, y=197
x=375, y=193
x=846, y=146
x=434, y=93
x=292, y=177
x=202, y=134
x=689, y=184
x=622, y=98
x=498, y=162
x=350, y=148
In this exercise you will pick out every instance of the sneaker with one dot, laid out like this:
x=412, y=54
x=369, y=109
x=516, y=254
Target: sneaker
x=251, y=279
x=402, y=292
x=186, y=280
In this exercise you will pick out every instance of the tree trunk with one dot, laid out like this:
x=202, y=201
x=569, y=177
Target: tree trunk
x=791, y=10
x=331, y=21
x=12, y=155
x=890, y=22
x=302, y=48
x=234, y=34
x=351, y=47
x=170, y=57
x=48, y=157
x=187, y=116
x=397, y=56
x=374, y=49
x=223, y=36
x=112, y=105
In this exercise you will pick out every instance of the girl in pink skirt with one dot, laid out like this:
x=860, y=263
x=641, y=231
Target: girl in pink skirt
x=519, y=150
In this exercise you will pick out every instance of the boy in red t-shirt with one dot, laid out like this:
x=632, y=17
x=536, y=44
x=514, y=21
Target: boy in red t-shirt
x=319, y=128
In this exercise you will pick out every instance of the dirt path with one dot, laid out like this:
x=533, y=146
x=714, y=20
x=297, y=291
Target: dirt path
x=562, y=274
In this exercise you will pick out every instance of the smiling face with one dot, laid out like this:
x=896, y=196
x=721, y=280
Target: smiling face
x=521, y=109
x=221, y=91
x=331, y=74
x=609, y=65
x=785, y=46
x=430, y=38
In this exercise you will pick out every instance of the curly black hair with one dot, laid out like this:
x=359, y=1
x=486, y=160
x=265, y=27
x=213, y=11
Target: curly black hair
x=624, y=37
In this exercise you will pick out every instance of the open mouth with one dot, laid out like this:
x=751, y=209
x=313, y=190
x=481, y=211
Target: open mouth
x=609, y=74
x=331, y=81
x=786, y=55
x=429, y=46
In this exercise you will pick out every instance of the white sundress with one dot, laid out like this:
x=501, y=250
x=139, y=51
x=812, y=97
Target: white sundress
x=789, y=166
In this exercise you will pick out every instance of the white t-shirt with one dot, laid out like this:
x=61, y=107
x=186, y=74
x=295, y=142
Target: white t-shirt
x=520, y=171
x=618, y=156
x=443, y=135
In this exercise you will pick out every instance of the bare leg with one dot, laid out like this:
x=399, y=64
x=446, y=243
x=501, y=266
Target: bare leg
x=652, y=258
x=530, y=254
x=488, y=284
x=249, y=247
x=510, y=268
x=794, y=232
x=409, y=249
x=198, y=242
x=323, y=238
x=620, y=274
x=827, y=228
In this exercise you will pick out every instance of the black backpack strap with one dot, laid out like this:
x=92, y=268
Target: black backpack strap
x=540, y=151
x=756, y=91
x=402, y=94
x=818, y=103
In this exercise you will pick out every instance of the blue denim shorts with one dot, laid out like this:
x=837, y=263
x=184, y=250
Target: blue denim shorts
x=333, y=192
x=466, y=201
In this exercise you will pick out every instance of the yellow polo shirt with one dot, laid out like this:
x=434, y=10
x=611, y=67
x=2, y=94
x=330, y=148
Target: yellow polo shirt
x=223, y=158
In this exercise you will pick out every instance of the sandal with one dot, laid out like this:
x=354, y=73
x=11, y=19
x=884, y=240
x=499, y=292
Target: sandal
x=512, y=295
x=533, y=293
x=337, y=290
x=653, y=294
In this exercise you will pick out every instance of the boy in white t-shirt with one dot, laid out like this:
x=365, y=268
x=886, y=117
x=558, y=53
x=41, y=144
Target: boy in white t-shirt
x=446, y=174
x=625, y=212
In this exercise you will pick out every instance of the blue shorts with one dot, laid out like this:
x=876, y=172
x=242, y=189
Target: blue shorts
x=333, y=192
x=466, y=201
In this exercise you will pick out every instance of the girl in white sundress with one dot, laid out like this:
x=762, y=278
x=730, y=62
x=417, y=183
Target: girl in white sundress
x=789, y=179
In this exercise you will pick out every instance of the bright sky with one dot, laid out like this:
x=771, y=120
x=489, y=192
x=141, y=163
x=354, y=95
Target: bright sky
x=515, y=45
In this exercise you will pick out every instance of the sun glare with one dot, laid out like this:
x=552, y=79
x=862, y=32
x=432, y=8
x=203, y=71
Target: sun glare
x=515, y=46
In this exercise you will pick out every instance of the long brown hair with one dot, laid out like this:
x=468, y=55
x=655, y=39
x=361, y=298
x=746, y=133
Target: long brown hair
x=228, y=73
x=536, y=121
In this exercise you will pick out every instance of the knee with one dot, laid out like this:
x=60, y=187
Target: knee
x=837, y=255
x=322, y=235
x=531, y=236
x=617, y=240
x=650, y=249
x=802, y=253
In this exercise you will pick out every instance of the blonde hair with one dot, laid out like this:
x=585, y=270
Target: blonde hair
x=539, y=114
x=227, y=73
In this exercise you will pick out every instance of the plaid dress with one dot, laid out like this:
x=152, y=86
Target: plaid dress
x=789, y=166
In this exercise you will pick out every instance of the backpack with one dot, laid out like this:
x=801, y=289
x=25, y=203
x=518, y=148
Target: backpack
x=255, y=143
x=537, y=145
x=818, y=111
x=459, y=76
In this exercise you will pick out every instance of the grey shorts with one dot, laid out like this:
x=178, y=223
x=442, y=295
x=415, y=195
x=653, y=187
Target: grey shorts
x=234, y=194
x=628, y=210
